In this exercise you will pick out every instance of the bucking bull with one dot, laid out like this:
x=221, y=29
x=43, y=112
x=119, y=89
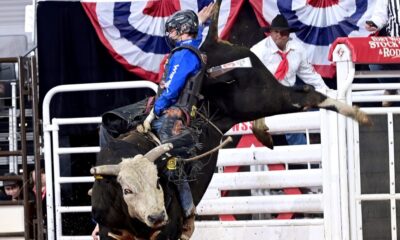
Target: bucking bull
x=132, y=200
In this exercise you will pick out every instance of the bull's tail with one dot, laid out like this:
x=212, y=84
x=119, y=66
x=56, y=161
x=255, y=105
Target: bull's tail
x=212, y=35
x=346, y=110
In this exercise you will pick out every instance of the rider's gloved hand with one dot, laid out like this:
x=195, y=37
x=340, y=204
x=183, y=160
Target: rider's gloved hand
x=148, y=120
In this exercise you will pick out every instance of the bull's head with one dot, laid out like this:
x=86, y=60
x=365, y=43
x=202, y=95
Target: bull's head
x=139, y=181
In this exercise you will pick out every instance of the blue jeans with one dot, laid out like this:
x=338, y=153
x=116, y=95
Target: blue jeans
x=185, y=194
x=296, y=138
x=183, y=140
x=157, y=123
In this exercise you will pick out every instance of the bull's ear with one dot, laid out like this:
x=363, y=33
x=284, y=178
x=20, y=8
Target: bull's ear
x=112, y=170
x=156, y=152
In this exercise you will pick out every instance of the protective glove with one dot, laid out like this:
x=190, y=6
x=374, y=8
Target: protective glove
x=148, y=120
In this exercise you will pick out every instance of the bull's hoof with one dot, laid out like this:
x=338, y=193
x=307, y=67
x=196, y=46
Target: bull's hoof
x=260, y=131
x=264, y=137
x=362, y=117
x=188, y=228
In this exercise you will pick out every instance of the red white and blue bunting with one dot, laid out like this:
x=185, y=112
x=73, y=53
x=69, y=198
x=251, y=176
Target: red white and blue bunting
x=134, y=31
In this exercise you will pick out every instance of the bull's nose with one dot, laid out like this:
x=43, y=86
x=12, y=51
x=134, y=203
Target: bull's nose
x=156, y=218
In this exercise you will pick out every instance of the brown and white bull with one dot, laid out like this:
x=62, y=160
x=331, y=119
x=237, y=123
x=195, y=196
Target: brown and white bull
x=141, y=190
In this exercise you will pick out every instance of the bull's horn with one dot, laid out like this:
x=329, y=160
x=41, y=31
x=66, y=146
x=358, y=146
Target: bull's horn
x=90, y=192
x=156, y=152
x=112, y=170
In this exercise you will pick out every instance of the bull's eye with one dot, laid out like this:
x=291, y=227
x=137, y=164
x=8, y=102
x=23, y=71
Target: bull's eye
x=127, y=191
x=158, y=184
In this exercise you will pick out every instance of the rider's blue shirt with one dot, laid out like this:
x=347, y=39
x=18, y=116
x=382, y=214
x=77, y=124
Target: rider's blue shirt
x=182, y=65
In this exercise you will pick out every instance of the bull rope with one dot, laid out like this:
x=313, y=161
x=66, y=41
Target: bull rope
x=221, y=145
x=209, y=122
x=226, y=141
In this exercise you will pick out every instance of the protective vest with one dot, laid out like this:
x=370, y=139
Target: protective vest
x=190, y=94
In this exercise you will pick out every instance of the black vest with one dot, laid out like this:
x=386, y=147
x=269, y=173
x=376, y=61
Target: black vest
x=190, y=95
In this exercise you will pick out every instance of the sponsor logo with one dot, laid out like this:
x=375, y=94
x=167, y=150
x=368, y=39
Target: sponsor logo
x=174, y=69
x=388, y=47
x=245, y=126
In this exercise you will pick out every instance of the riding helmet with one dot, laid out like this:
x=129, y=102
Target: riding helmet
x=184, y=21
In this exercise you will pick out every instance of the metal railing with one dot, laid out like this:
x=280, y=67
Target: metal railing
x=352, y=202
x=21, y=89
x=52, y=151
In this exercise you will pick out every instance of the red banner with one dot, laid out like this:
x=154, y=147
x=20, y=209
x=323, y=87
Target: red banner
x=371, y=49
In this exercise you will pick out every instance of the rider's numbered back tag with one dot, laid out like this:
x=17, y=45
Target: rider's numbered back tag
x=171, y=164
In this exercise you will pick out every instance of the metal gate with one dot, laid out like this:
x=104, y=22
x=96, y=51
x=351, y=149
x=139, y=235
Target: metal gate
x=52, y=152
x=313, y=203
x=359, y=204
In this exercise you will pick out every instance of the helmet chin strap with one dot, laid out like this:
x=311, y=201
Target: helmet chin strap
x=172, y=42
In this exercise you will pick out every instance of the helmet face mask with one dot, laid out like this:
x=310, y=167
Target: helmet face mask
x=185, y=21
x=171, y=26
x=172, y=37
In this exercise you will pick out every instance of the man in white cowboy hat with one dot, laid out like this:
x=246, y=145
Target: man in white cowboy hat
x=286, y=58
